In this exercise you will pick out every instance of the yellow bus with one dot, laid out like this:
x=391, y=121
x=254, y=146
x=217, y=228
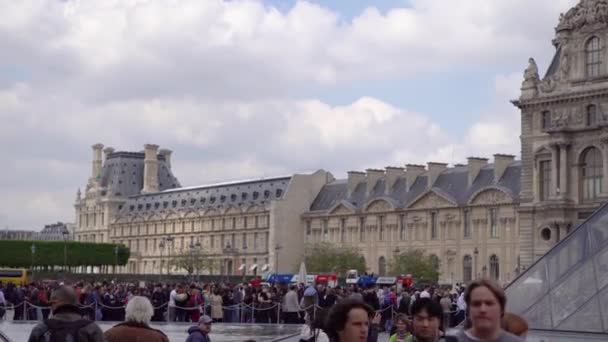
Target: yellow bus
x=17, y=276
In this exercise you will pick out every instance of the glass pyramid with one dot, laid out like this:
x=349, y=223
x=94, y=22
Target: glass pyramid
x=567, y=289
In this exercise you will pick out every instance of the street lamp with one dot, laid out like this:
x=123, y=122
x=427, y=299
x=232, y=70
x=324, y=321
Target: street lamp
x=169, y=247
x=65, y=251
x=33, y=249
x=277, y=248
x=161, y=247
x=115, y=258
x=476, y=253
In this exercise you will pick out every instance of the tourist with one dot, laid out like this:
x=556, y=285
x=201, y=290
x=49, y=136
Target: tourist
x=426, y=321
x=515, y=324
x=216, y=302
x=2, y=302
x=404, y=304
x=349, y=321
x=67, y=323
x=313, y=330
x=486, y=302
x=291, y=308
x=200, y=332
x=401, y=334
x=158, y=303
x=138, y=314
x=426, y=293
x=446, y=305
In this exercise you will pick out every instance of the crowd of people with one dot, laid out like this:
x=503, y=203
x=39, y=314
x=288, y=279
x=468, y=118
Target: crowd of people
x=403, y=314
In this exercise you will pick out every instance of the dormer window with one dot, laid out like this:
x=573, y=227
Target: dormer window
x=174, y=204
x=203, y=200
x=148, y=206
x=593, y=59
x=212, y=199
x=244, y=196
x=266, y=193
x=184, y=202
x=279, y=193
x=233, y=197
x=223, y=198
x=193, y=201
x=156, y=205
x=140, y=206
x=591, y=116
x=256, y=195
x=165, y=204
x=132, y=207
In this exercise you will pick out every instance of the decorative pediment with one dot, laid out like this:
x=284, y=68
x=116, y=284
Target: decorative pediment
x=253, y=209
x=341, y=208
x=211, y=212
x=191, y=214
x=379, y=205
x=231, y=210
x=155, y=217
x=490, y=196
x=431, y=200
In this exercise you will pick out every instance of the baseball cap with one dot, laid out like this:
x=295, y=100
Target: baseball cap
x=205, y=319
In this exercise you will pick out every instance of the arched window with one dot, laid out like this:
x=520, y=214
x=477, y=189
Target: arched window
x=382, y=266
x=593, y=57
x=592, y=169
x=591, y=115
x=494, y=267
x=467, y=268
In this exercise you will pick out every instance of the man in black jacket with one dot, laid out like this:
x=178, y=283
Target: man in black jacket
x=67, y=321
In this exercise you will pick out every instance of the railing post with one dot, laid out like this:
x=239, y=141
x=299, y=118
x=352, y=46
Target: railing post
x=279, y=313
x=252, y=312
x=25, y=318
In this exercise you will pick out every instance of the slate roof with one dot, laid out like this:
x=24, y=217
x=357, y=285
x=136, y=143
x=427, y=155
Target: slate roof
x=553, y=67
x=123, y=174
x=222, y=195
x=451, y=183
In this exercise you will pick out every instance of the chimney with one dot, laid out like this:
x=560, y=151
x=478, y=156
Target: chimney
x=475, y=165
x=435, y=169
x=150, y=169
x=96, y=169
x=412, y=172
x=354, y=179
x=373, y=176
x=167, y=154
x=501, y=162
x=106, y=153
x=392, y=174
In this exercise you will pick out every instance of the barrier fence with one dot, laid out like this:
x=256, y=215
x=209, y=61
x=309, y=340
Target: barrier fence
x=244, y=312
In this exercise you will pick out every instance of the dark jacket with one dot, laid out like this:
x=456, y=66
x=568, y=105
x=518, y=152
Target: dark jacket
x=68, y=314
x=134, y=332
x=196, y=335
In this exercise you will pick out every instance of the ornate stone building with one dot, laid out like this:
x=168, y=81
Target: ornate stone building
x=134, y=199
x=465, y=216
x=564, y=131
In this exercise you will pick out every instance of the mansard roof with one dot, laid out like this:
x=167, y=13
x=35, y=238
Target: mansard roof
x=220, y=196
x=122, y=174
x=451, y=184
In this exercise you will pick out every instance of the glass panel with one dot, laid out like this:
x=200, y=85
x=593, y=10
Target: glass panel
x=603, y=299
x=539, y=316
x=567, y=254
x=586, y=318
x=526, y=290
x=576, y=290
x=598, y=228
x=601, y=268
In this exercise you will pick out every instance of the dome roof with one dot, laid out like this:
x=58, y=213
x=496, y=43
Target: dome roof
x=587, y=15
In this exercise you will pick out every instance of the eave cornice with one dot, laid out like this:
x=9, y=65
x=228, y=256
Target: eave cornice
x=559, y=98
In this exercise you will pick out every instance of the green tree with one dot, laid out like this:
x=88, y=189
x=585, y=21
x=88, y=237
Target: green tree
x=325, y=257
x=422, y=267
x=192, y=261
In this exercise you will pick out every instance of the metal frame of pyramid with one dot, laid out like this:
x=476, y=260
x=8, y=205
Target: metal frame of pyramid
x=567, y=288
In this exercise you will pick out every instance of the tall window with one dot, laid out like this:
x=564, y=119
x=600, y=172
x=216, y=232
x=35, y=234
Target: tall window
x=546, y=119
x=593, y=60
x=433, y=226
x=401, y=227
x=325, y=230
x=362, y=229
x=591, y=119
x=494, y=267
x=592, y=169
x=308, y=228
x=382, y=266
x=342, y=230
x=212, y=241
x=545, y=180
x=255, y=240
x=380, y=228
x=493, y=223
x=467, y=224
x=467, y=268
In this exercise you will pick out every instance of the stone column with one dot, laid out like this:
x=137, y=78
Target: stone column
x=554, y=170
x=150, y=169
x=604, y=146
x=563, y=171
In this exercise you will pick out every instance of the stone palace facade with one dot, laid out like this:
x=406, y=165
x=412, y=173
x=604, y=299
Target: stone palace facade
x=479, y=219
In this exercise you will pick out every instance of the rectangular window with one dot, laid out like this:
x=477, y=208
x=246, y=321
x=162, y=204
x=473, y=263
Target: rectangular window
x=342, y=230
x=244, y=246
x=233, y=240
x=256, y=221
x=434, y=226
x=234, y=223
x=362, y=229
x=102, y=218
x=493, y=223
x=223, y=223
x=308, y=228
x=467, y=224
x=325, y=230
x=545, y=180
x=402, y=227
x=381, y=228
x=245, y=222
x=266, y=240
x=255, y=241
x=546, y=119
x=212, y=224
x=212, y=241
x=223, y=241
x=192, y=226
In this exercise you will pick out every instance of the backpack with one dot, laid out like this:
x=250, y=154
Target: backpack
x=63, y=331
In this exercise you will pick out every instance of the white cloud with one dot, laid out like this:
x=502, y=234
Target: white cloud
x=220, y=82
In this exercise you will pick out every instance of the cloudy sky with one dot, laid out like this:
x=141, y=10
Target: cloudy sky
x=251, y=88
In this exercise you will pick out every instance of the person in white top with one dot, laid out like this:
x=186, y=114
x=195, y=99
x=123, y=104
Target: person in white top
x=2, y=304
x=425, y=293
x=172, y=297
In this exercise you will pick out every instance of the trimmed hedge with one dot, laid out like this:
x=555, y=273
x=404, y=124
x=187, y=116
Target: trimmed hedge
x=50, y=253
